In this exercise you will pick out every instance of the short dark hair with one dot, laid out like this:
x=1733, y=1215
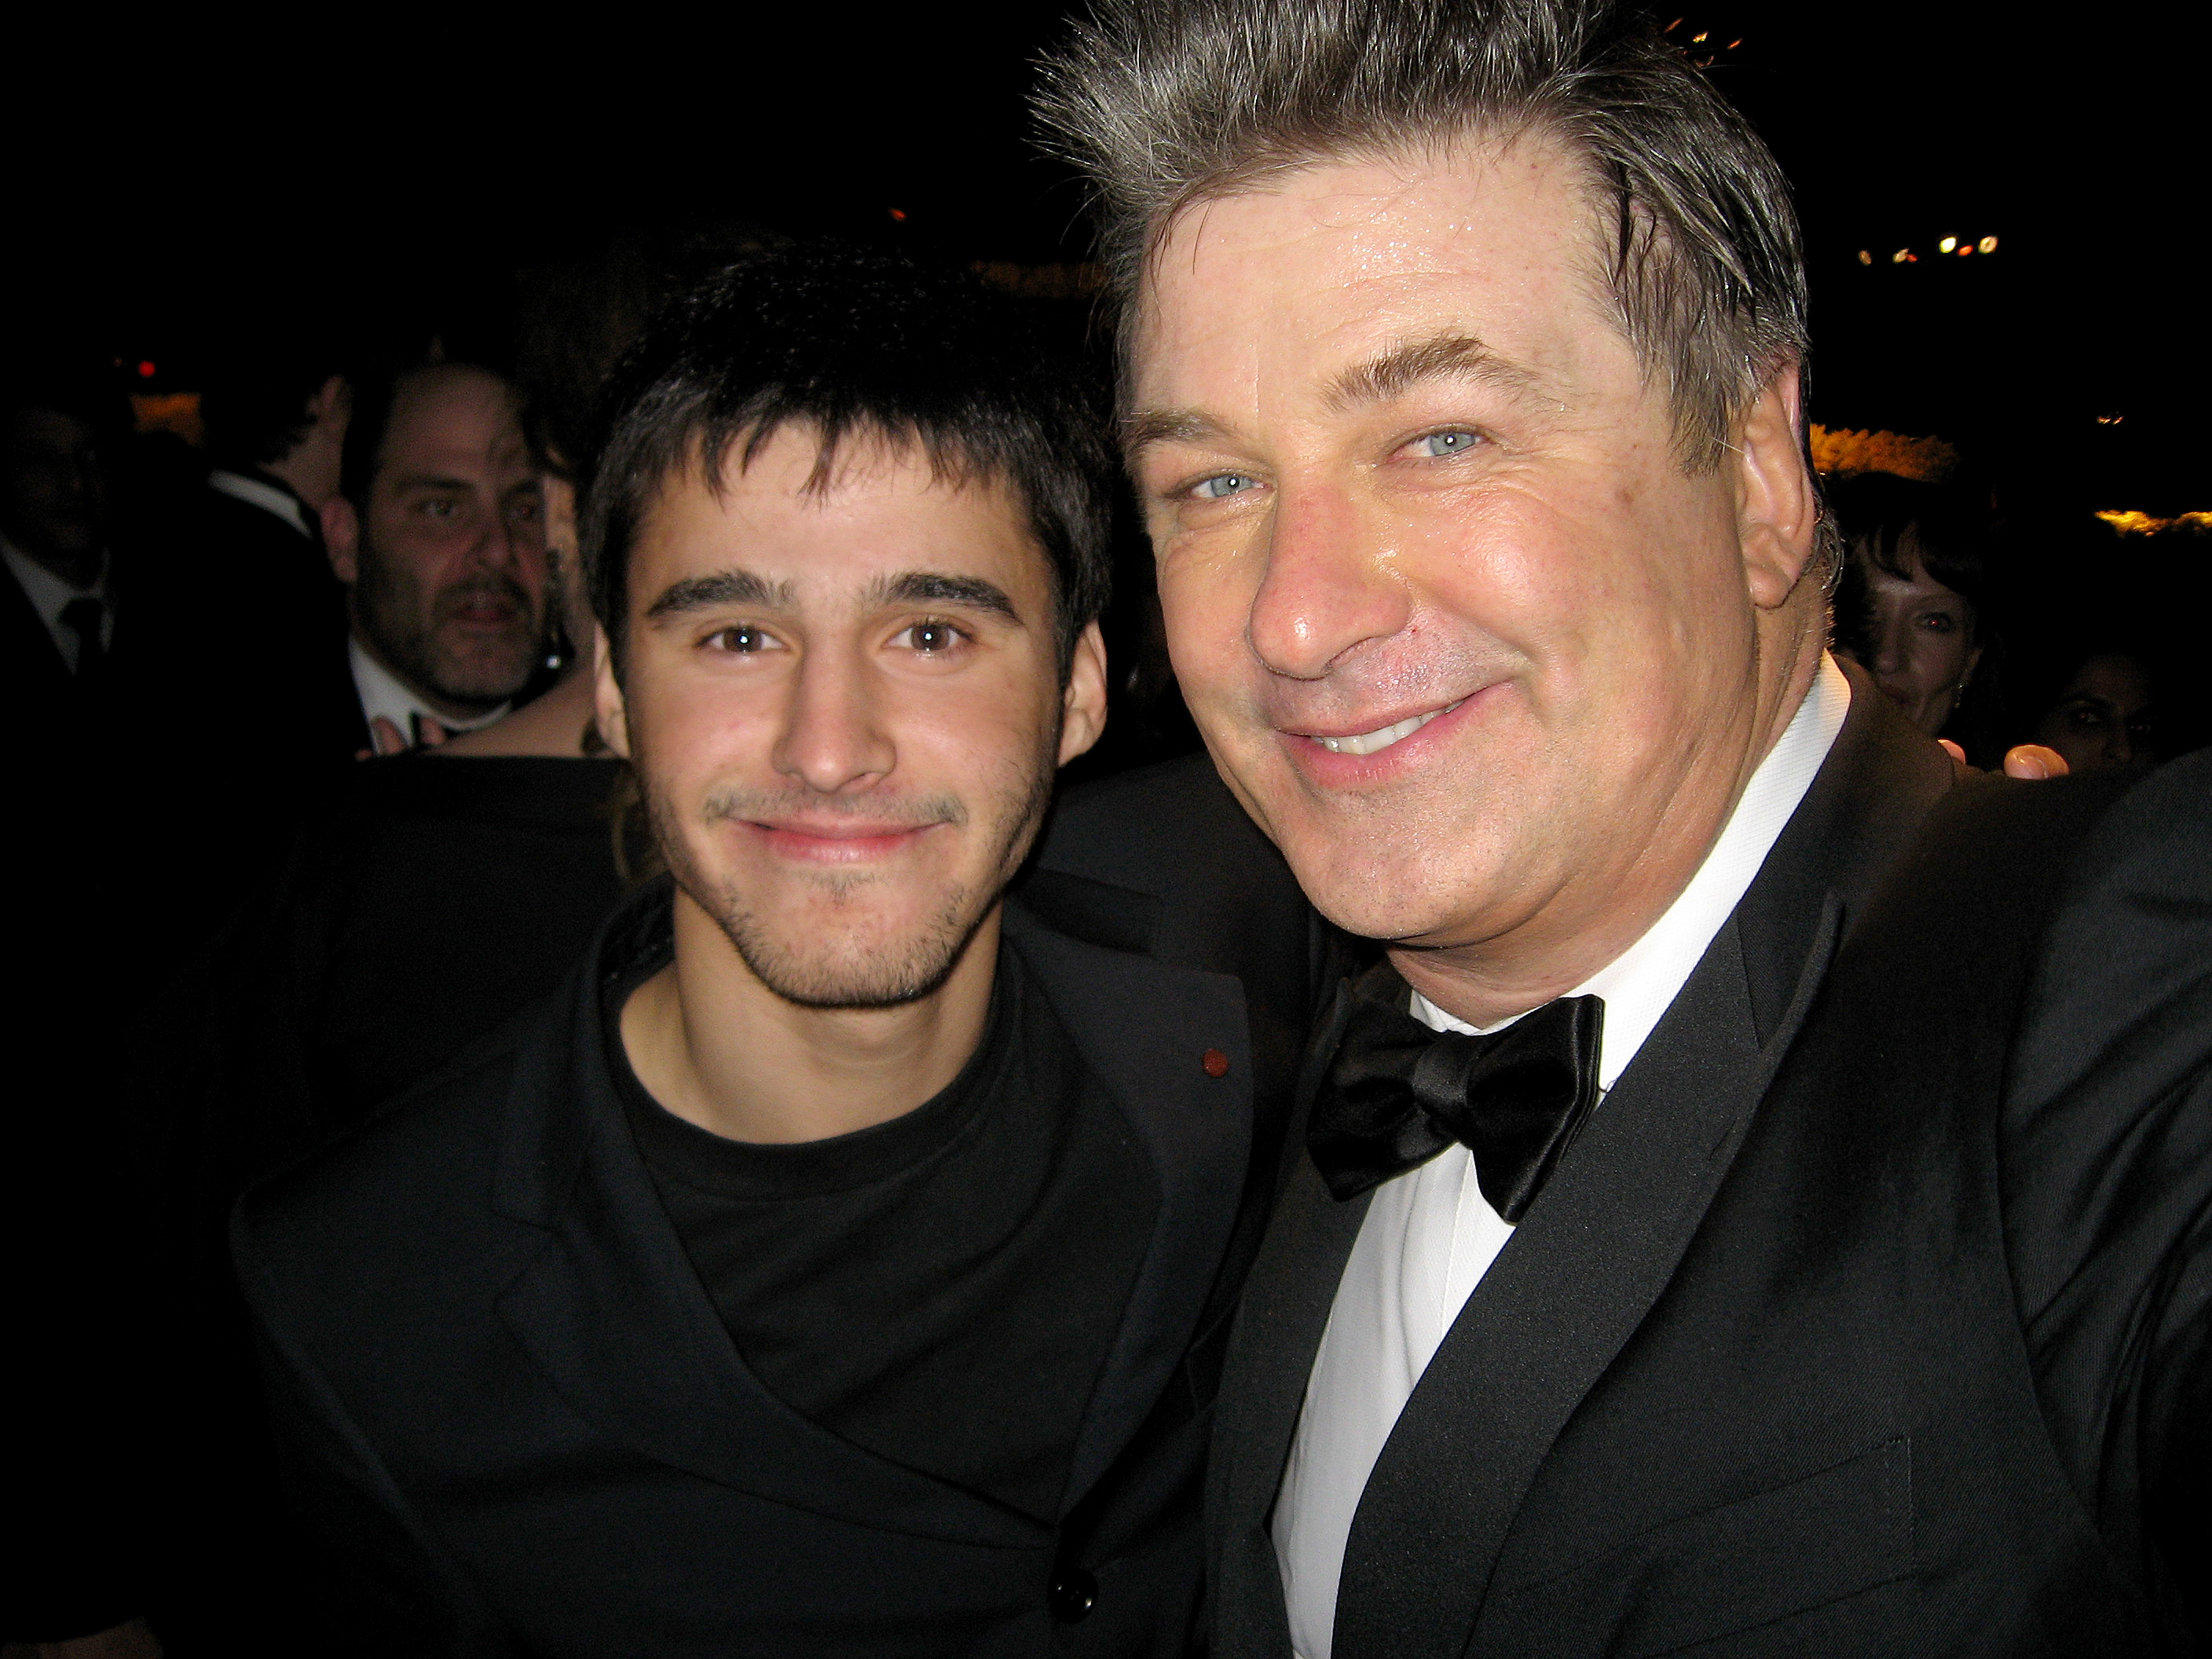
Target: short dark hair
x=855, y=345
x=254, y=397
x=1951, y=530
x=1167, y=103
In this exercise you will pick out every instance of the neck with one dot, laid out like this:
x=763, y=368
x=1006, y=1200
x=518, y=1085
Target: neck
x=718, y=1048
x=79, y=567
x=311, y=470
x=1585, y=926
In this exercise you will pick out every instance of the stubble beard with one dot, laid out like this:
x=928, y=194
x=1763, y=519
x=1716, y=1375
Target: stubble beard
x=407, y=625
x=859, y=968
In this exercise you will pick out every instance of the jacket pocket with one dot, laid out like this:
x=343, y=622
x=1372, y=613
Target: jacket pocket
x=1733, y=1568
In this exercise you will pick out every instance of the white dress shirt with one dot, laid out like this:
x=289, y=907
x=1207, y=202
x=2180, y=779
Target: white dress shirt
x=50, y=595
x=259, y=492
x=383, y=692
x=1430, y=1235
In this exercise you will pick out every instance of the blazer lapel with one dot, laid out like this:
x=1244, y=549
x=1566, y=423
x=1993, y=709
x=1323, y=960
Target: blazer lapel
x=1145, y=1030
x=612, y=1313
x=1603, y=1240
x=1277, y=1332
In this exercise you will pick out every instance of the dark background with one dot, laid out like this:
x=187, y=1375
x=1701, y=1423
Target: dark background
x=410, y=165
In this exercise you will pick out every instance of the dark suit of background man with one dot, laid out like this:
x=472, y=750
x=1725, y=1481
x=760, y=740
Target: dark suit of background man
x=437, y=533
x=1467, y=412
x=275, y=404
x=840, y=1263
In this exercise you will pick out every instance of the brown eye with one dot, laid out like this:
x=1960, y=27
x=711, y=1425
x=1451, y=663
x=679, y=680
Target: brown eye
x=741, y=639
x=931, y=638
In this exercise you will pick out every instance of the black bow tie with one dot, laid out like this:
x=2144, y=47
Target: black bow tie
x=1397, y=1093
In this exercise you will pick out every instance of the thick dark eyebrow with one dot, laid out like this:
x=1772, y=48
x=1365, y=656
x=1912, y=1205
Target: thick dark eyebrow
x=930, y=587
x=1440, y=357
x=427, y=481
x=723, y=588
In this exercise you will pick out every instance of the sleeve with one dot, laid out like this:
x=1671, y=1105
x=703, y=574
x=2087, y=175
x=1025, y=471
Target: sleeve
x=2106, y=1156
x=395, y=1591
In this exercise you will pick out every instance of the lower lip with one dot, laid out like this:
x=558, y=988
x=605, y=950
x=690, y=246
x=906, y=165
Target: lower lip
x=1338, y=771
x=802, y=847
x=485, y=616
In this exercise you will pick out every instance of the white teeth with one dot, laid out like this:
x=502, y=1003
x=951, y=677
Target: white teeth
x=1368, y=743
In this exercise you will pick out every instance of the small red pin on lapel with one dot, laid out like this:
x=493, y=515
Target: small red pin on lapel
x=1214, y=1063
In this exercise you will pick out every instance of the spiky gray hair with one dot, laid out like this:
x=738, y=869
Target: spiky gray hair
x=1166, y=103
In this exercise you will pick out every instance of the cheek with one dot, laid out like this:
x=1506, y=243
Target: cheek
x=1205, y=603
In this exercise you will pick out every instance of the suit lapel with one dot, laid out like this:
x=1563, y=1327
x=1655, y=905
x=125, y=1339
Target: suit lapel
x=1144, y=1030
x=1278, y=1330
x=611, y=1311
x=1601, y=1242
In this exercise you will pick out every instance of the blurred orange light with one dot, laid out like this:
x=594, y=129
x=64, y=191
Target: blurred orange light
x=1865, y=258
x=1987, y=245
x=1900, y=256
x=898, y=214
x=1699, y=39
x=1733, y=45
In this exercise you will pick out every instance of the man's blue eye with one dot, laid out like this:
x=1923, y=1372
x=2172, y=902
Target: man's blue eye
x=1221, y=484
x=1441, y=444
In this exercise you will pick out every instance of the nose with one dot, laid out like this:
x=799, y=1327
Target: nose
x=1327, y=590
x=834, y=738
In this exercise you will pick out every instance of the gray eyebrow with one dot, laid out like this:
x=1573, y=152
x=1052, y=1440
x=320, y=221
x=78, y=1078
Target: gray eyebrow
x=931, y=587
x=1381, y=377
x=723, y=588
x=1393, y=372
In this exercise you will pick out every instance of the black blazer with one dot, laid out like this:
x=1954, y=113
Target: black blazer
x=1818, y=1342
x=512, y=1407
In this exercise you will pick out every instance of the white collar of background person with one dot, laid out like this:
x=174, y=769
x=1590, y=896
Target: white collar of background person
x=50, y=596
x=259, y=492
x=385, y=696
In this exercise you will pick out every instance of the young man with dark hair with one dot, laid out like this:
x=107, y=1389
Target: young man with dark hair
x=838, y=1264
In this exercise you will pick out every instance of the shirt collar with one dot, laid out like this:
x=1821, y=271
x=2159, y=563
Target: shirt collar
x=46, y=592
x=383, y=692
x=269, y=497
x=1639, y=984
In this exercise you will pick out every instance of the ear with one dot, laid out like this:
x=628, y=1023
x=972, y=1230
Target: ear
x=1778, y=508
x=342, y=539
x=612, y=713
x=1082, y=704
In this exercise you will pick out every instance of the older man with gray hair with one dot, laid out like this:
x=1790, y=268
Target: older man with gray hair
x=1759, y=1203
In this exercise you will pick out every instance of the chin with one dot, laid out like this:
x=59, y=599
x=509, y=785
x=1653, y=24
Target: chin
x=851, y=962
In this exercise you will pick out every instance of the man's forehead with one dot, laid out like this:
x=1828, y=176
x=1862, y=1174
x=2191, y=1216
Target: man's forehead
x=875, y=507
x=455, y=413
x=1327, y=267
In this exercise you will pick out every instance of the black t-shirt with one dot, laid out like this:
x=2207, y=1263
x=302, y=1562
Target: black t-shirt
x=940, y=1289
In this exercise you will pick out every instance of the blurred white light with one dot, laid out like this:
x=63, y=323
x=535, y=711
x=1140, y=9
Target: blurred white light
x=1950, y=244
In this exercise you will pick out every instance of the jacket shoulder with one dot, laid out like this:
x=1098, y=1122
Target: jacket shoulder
x=419, y=1170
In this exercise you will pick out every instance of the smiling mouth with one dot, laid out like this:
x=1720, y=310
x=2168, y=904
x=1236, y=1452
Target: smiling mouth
x=1369, y=742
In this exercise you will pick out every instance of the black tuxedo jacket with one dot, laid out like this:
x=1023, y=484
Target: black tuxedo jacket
x=1868, y=1314
x=510, y=1402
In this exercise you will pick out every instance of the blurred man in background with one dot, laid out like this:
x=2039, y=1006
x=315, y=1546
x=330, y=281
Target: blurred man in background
x=437, y=533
